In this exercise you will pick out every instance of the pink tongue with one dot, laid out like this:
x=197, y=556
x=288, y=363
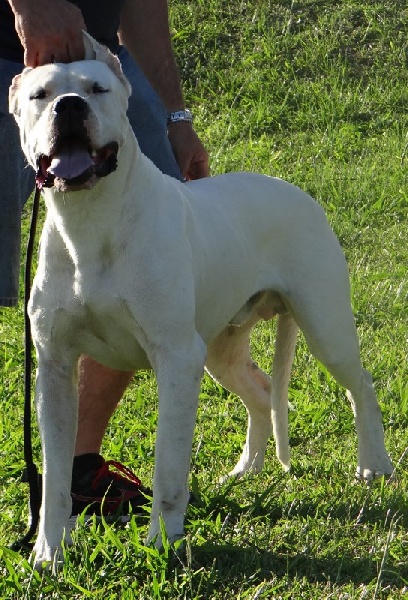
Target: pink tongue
x=70, y=163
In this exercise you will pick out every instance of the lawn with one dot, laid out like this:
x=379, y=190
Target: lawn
x=315, y=93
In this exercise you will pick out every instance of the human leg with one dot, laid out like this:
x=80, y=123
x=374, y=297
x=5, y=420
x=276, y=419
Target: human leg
x=17, y=184
x=100, y=390
x=148, y=118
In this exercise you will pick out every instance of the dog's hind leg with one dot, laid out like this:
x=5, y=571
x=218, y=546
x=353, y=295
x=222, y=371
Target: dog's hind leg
x=286, y=335
x=266, y=398
x=324, y=314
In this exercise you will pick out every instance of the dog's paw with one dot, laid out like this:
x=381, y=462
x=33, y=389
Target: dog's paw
x=164, y=531
x=48, y=553
x=45, y=557
x=383, y=469
x=252, y=466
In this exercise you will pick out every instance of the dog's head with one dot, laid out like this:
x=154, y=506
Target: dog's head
x=72, y=118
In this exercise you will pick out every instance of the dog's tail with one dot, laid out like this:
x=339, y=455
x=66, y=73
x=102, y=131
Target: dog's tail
x=284, y=353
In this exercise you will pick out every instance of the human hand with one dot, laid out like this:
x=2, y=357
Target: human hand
x=49, y=31
x=190, y=153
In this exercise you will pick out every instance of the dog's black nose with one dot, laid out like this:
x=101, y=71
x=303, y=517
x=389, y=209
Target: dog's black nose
x=71, y=105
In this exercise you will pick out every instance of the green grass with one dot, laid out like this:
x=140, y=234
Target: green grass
x=316, y=93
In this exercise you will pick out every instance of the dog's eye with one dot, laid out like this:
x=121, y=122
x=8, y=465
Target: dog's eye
x=39, y=94
x=97, y=88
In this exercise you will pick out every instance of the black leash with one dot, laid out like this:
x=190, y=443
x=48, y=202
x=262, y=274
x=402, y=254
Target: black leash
x=30, y=474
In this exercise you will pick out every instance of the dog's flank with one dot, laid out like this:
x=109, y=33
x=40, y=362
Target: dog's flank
x=137, y=269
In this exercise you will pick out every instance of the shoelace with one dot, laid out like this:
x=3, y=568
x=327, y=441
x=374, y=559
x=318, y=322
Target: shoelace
x=124, y=473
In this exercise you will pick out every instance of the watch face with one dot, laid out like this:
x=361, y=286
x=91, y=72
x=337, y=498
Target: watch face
x=180, y=115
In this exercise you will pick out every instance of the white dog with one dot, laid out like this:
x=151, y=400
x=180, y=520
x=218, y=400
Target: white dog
x=139, y=270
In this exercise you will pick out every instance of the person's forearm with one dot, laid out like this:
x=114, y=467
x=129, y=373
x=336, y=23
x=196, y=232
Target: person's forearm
x=144, y=30
x=17, y=5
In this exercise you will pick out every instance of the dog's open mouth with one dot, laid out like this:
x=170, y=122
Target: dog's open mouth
x=73, y=165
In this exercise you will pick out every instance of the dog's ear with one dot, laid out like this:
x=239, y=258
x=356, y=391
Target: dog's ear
x=96, y=51
x=13, y=89
x=93, y=49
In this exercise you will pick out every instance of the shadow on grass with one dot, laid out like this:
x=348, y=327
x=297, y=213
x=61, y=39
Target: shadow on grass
x=259, y=565
x=335, y=551
x=364, y=507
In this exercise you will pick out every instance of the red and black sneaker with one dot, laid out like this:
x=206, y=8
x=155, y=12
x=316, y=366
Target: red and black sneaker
x=106, y=488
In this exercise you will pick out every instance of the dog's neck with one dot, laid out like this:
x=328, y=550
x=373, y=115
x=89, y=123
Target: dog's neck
x=86, y=219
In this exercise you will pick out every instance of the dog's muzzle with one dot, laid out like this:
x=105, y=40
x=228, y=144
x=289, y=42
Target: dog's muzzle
x=73, y=163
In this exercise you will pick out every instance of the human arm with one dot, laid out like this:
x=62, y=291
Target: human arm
x=144, y=30
x=49, y=30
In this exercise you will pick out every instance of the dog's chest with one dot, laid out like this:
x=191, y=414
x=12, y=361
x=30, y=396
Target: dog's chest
x=110, y=335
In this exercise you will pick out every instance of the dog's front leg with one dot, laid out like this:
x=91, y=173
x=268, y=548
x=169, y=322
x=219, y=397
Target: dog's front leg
x=57, y=407
x=179, y=373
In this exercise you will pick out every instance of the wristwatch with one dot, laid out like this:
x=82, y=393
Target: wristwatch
x=180, y=116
